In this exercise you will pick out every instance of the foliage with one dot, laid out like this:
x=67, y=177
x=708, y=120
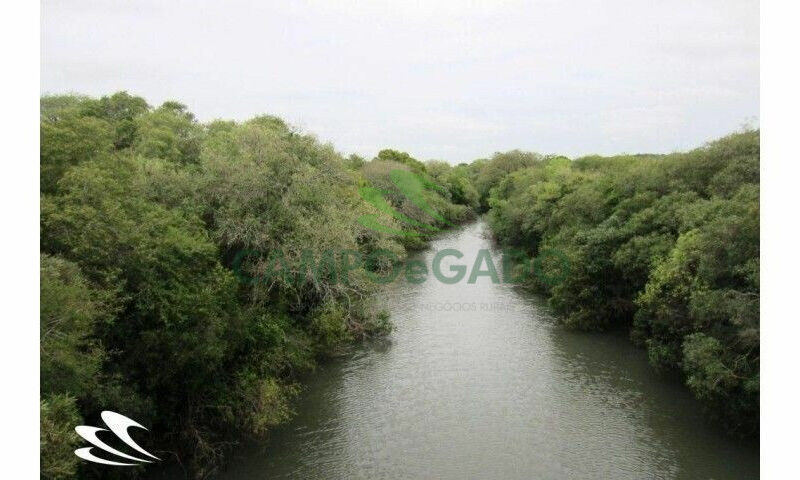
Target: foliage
x=489, y=173
x=145, y=216
x=443, y=193
x=69, y=313
x=67, y=139
x=458, y=182
x=665, y=245
x=57, y=437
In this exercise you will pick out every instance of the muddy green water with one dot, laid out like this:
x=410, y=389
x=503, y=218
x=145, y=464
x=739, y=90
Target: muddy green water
x=479, y=382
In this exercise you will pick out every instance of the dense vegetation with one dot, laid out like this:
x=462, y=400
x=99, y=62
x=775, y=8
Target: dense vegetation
x=152, y=221
x=145, y=213
x=666, y=246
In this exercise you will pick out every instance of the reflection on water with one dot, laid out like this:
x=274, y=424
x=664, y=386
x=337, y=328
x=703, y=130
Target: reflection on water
x=478, y=381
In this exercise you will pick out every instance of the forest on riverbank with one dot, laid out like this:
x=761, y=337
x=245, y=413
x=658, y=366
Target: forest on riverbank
x=145, y=213
x=664, y=246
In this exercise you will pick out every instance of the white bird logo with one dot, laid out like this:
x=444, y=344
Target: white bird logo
x=118, y=425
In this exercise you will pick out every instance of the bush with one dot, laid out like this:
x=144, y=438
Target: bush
x=664, y=245
x=57, y=438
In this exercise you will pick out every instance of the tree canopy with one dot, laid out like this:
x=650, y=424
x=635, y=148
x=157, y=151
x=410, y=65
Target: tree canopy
x=145, y=216
x=666, y=246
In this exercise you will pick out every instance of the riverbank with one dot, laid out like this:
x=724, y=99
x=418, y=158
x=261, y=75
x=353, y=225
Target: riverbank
x=500, y=390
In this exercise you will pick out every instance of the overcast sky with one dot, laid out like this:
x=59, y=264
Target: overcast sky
x=453, y=80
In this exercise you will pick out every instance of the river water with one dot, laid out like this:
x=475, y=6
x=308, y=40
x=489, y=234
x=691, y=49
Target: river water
x=478, y=381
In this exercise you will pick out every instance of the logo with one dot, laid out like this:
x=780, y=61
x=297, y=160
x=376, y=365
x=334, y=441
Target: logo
x=412, y=187
x=118, y=425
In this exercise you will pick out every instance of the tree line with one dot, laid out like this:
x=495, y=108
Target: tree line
x=144, y=211
x=663, y=246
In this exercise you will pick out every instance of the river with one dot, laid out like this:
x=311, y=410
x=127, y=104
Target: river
x=478, y=381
